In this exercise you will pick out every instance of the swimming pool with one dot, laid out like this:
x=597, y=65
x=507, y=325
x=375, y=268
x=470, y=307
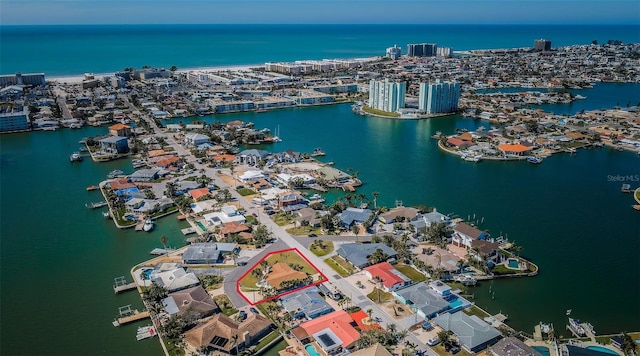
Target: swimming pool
x=201, y=225
x=455, y=304
x=513, y=263
x=543, y=350
x=602, y=349
x=311, y=350
x=147, y=273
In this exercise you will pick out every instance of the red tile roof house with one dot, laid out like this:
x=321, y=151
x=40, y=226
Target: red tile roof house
x=333, y=331
x=196, y=194
x=392, y=279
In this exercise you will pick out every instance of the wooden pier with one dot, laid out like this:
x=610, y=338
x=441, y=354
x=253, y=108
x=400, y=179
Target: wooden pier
x=128, y=316
x=120, y=285
x=188, y=231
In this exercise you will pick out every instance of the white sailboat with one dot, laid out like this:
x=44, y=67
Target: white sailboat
x=276, y=137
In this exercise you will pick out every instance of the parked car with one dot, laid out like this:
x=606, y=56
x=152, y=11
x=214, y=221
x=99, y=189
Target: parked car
x=313, y=235
x=433, y=342
x=254, y=310
x=243, y=315
x=454, y=349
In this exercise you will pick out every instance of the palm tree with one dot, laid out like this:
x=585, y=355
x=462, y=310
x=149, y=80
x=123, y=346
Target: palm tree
x=234, y=340
x=392, y=328
x=369, y=313
x=402, y=334
x=379, y=281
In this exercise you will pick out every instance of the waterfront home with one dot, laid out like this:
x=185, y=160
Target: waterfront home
x=391, y=279
x=167, y=162
x=218, y=333
x=120, y=130
x=203, y=206
x=512, y=346
x=195, y=299
x=174, y=279
x=313, y=217
x=511, y=150
x=441, y=288
x=114, y=145
x=251, y=157
x=183, y=186
x=400, y=213
x=458, y=143
x=207, y=253
x=426, y=302
x=358, y=253
x=120, y=183
x=282, y=272
x=291, y=202
x=356, y=216
x=227, y=214
x=287, y=179
x=333, y=332
x=233, y=228
x=251, y=176
x=422, y=221
x=487, y=251
x=307, y=303
x=472, y=332
x=147, y=207
x=463, y=234
x=196, y=139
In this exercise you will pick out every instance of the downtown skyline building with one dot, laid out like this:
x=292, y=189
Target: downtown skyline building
x=439, y=97
x=387, y=95
x=422, y=50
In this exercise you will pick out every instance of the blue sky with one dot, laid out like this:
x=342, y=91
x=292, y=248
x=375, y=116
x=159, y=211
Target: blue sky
x=31, y=12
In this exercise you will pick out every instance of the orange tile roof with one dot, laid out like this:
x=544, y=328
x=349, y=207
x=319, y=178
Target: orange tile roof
x=233, y=228
x=361, y=315
x=339, y=322
x=281, y=272
x=225, y=158
x=120, y=183
x=384, y=270
x=167, y=161
x=198, y=193
x=514, y=148
x=153, y=153
x=119, y=127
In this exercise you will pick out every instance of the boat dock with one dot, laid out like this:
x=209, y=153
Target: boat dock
x=128, y=316
x=188, y=231
x=120, y=285
x=96, y=205
x=161, y=251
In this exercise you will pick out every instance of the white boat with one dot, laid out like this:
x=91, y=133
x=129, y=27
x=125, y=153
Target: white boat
x=575, y=326
x=534, y=160
x=545, y=328
x=145, y=332
x=75, y=157
x=466, y=280
x=148, y=225
x=114, y=173
x=471, y=158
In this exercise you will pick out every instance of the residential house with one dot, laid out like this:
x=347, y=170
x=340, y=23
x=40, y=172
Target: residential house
x=441, y=288
x=422, y=221
x=313, y=217
x=292, y=202
x=114, y=145
x=352, y=216
x=281, y=272
x=391, y=279
x=399, y=213
x=219, y=331
x=196, y=139
x=333, y=332
x=426, y=302
x=472, y=332
x=233, y=228
x=307, y=303
x=120, y=130
x=514, y=149
x=487, y=251
x=183, y=186
x=463, y=234
x=512, y=346
x=174, y=279
x=146, y=175
x=251, y=157
x=227, y=214
x=207, y=253
x=373, y=350
x=195, y=299
x=199, y=194
x=147, y=207
x=251, y=176
x=358, y=253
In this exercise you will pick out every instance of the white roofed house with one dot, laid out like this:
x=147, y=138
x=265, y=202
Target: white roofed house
x=174, y=279
x=251, y=175
x=227, y=214
x=196, y=139
x=251, y=157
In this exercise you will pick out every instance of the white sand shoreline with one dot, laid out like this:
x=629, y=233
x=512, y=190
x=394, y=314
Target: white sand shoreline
x=78, y=78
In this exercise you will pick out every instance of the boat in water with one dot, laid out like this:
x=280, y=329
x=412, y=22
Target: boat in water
x=466, y=280
x=92, y=187
x=148, y=225
x=471, y=157
x=534, y=160
x=114, y=174
x=75, y=157
x=318, y=152
x=546, y=329
x=576, y=328
x=145, y=332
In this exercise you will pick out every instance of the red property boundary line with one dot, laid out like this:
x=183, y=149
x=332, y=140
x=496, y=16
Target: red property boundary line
x=324, y=278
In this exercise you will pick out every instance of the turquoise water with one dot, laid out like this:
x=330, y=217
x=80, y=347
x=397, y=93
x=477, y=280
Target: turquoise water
x=100, y=48
x=513, y=263
x=455, y=304
x=543, y=350
x=311, y=350
x=602, y=349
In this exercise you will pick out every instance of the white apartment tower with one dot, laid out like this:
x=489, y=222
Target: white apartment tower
x=439, y=97
x=387, y=95
x=394, y=52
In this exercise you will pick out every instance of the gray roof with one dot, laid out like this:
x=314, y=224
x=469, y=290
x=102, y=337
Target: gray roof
x=512, y=346
x=145, y=173
x=471, y=331
x=254, y=152
x=357, y=253
x=113, y=139
x=351, y=215
x=424, y=298
x=422, y=220
x=206, y=251
x=307, y=301
x=187, y=185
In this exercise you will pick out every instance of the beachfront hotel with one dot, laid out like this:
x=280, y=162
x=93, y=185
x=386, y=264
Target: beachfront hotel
x=439, y=97
x=13, y=119
x=387, y=95
x=394, y=52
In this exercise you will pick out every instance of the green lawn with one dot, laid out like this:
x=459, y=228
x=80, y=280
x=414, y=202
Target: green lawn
x=249, y=281
x=501, y=269
x=342, y=265
x=477, y=312
x=336, y=267
x=384, y=296
x=379, y=112
x=225, y=305
x=319, y=251
x=246, y=191
x=411, y=273
x=267, y=339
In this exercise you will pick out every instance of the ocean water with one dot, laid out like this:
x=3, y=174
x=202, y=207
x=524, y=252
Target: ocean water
x=70, y=50
x=58, y=259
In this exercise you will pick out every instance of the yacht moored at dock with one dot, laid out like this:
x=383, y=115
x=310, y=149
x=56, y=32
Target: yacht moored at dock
x=575, y=327
x=145, y=332
x=75, y=157
x=148, y=225
x=534, y=160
